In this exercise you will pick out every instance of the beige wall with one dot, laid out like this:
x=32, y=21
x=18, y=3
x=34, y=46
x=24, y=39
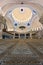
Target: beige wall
x=2, y=2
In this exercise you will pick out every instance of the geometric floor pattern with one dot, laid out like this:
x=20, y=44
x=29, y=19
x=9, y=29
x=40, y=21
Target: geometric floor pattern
x=21, y=52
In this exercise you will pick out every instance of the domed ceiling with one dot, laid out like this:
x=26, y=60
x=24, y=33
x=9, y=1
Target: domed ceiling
x=22, y=16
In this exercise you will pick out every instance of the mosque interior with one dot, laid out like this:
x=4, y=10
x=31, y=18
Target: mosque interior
x=21, y=32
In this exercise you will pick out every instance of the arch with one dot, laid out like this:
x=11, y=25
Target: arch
x=3, y=22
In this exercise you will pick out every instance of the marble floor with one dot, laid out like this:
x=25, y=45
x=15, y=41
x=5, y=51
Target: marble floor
x=21, y=52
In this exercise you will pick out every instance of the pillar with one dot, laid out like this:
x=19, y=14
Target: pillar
x=31, y=35
x=39, y=35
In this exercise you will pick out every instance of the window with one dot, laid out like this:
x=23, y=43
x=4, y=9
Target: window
x=28, y=34
x=34, y=11
x=15, y=24
x=22, y=3
x=22, y=35
x=16, y=34
x=28, y=24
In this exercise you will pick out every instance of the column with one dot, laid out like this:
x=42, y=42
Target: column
x=30, y=35
x=0, y=30
x=39, y=35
